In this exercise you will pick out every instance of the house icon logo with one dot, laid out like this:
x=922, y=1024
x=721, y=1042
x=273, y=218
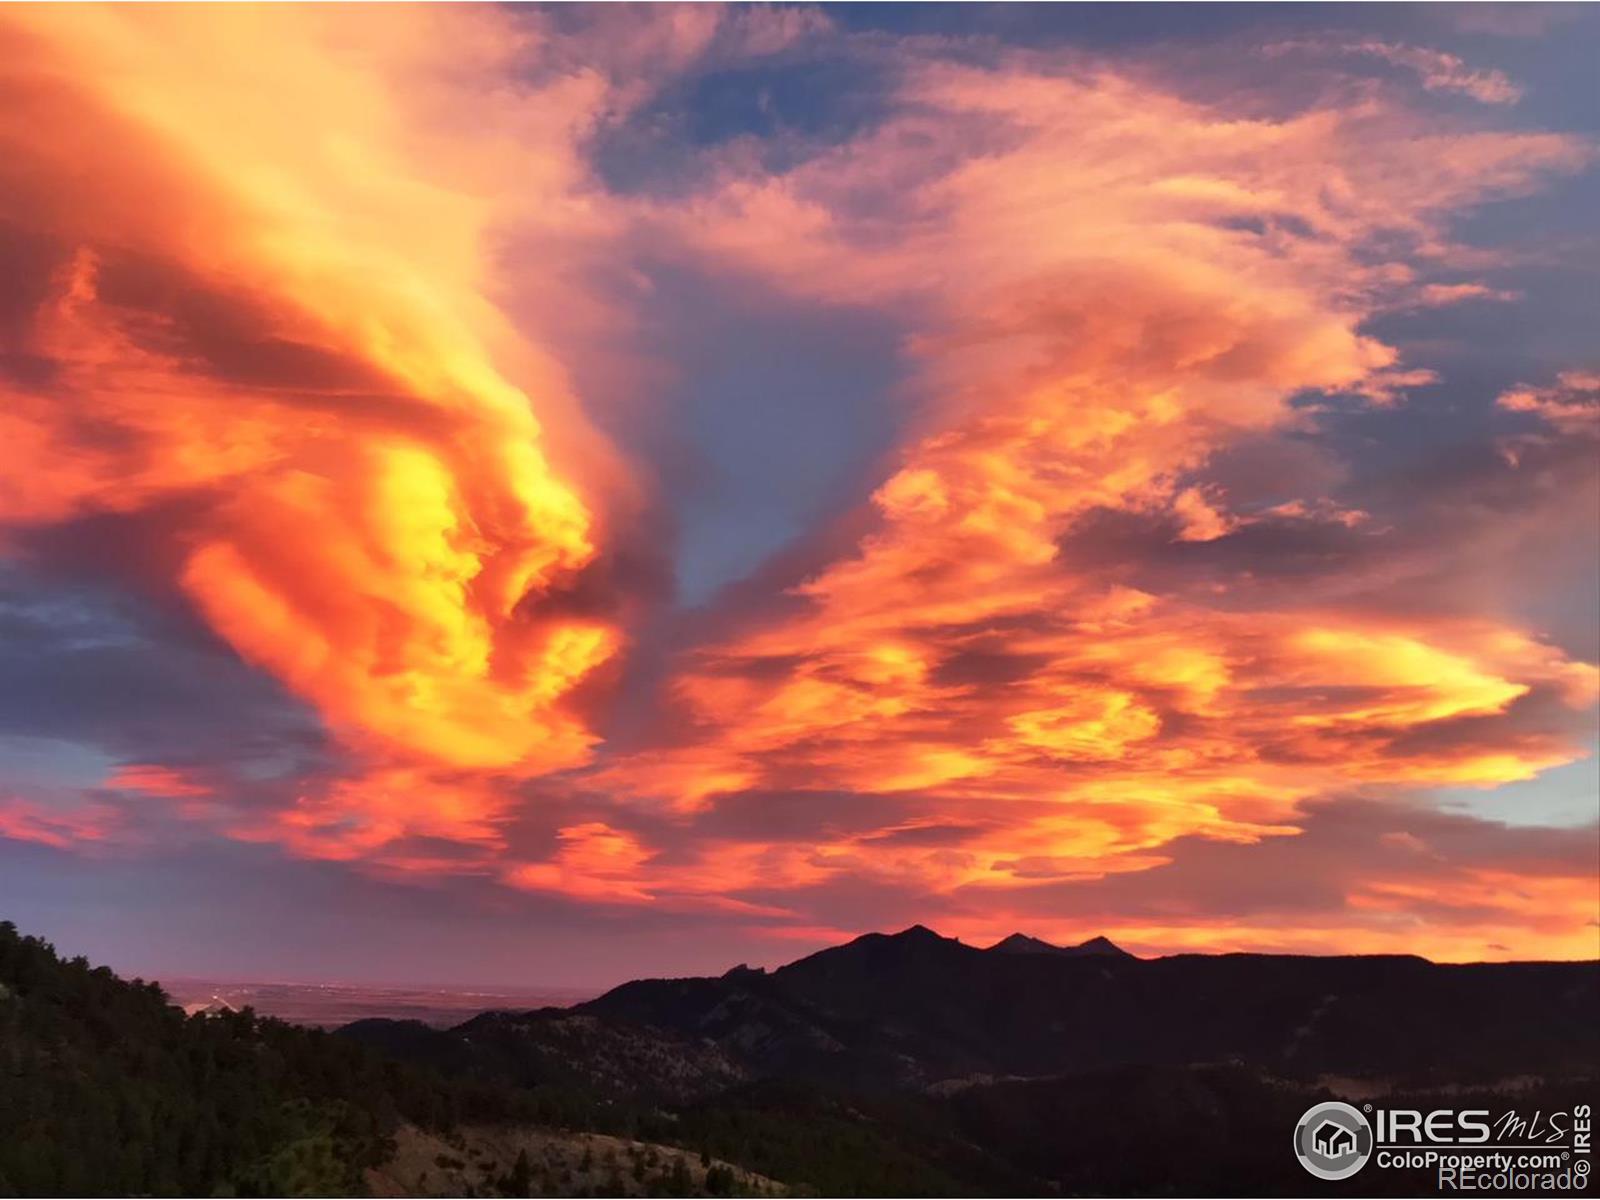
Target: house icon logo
x=1333, y=1140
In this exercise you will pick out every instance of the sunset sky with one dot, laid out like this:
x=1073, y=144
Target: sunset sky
x=523, y=496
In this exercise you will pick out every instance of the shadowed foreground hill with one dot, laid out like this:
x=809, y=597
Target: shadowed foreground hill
x=107, y=1089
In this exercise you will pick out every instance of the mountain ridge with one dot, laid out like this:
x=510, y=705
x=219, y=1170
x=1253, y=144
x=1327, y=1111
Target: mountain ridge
x=908, y=1009
x=1022, y=943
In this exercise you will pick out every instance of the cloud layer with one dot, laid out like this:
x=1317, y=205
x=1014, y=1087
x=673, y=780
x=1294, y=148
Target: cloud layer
x=1120, y=638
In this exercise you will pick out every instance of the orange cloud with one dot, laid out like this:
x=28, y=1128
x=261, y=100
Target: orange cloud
x=1110, y=285
x=362, y=818
x=592, y=861
x=270, y=332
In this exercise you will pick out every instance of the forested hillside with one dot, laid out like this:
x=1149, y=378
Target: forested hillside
x=897, y=1065
x=106, y=1089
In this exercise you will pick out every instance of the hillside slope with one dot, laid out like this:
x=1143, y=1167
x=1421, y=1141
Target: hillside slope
x=110, y=1090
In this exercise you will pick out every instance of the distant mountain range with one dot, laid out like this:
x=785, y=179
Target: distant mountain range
x=1028, y=1068
x=914, y=1010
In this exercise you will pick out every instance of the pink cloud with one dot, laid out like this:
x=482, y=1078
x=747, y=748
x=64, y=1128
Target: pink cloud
x=1436, y=70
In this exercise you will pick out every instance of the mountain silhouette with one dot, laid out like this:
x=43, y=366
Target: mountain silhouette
x=914, y=1008
x=913, y=1064
x=1021, y=943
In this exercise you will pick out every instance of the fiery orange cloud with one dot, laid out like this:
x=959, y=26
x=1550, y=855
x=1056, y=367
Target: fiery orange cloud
x=1113, y=285
x=359, y=819
x=284, y=355
x=593, y=861
x=269, y=323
